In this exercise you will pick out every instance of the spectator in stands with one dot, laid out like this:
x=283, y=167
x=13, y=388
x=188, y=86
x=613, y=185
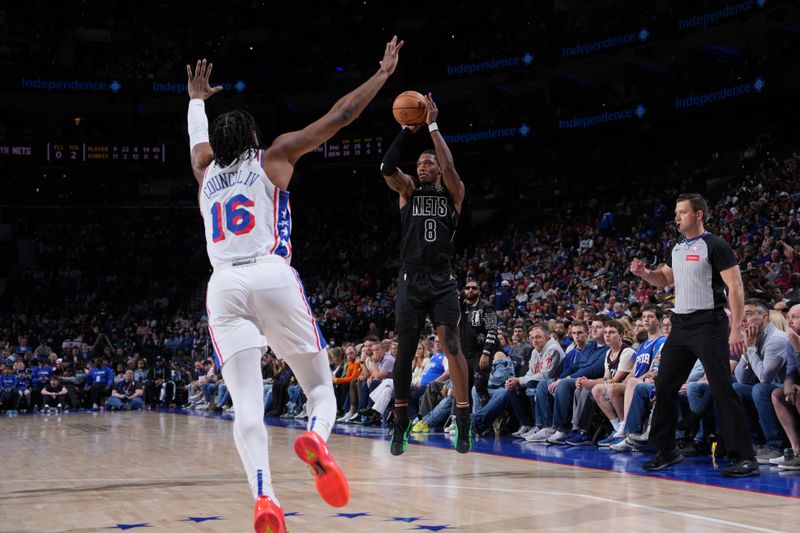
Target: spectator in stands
x=9, y=395
x=619, y=361
x=40, y=376
x=127, y=394
x=611, y=398
x=99, y=383
x=786, y=399
x=554, y=397
x=761, y=370
x=54, y=394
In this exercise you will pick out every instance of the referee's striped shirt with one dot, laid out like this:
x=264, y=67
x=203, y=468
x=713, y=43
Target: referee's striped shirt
x=696, y=264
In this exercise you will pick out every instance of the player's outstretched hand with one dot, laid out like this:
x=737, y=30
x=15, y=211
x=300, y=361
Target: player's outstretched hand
x=433, y=111
x=198, y=81
x=390, y=55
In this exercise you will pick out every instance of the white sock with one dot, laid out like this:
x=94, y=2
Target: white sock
x=621, y=430
x=242, y=373
x=314, y=377
x=615, y=424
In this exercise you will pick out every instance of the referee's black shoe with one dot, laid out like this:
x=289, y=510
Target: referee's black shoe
x=742, y=468
x=463, y=442
x=399, y=442
x=663, y=459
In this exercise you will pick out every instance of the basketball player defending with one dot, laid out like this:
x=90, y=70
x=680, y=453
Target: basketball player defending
x=254, y=297
x=426, y=285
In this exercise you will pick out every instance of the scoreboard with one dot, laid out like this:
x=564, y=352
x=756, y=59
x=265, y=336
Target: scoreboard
x=88, y=154
x=94, y=152
x=351, y=148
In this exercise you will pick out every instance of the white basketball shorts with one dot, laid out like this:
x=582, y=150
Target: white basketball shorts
x=261, y=302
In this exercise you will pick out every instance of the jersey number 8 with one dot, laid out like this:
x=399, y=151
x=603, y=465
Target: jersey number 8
x=430, y=230
x=238, y=220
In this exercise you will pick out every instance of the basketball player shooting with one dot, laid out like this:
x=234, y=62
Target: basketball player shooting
x=426, y=284
x=254, y=297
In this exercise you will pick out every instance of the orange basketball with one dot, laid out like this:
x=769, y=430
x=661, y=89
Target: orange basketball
x=409, y=108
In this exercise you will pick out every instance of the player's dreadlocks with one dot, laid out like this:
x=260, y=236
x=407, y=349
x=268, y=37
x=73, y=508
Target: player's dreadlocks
x=231, y=137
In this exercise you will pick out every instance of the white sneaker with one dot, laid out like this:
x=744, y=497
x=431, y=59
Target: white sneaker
x=559, y=437
x=521, y=431
x=532, y=431
x=450, y=427
x=230, y=409
x=778, y=460
x=95, y=407
x=541, y=436
x=201, y=406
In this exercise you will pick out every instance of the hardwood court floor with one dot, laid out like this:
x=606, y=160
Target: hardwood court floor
x=161, y=471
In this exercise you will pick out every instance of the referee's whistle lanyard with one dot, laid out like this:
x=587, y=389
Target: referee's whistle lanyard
x=689, y=242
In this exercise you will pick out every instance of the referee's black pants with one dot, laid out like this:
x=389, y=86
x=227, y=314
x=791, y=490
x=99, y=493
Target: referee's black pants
x=704, y=335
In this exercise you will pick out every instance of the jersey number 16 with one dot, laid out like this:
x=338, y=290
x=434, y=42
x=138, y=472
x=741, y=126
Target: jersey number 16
x=238, y=220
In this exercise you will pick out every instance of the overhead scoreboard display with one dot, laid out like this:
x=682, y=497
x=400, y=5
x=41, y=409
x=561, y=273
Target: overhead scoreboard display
x=351, y=148
x=96, y=152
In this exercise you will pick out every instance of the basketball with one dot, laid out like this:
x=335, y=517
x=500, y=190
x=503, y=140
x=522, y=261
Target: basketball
x=409, y=108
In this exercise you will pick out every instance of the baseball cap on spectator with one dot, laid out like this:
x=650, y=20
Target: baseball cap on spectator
x=58, y=361
x=505, y=283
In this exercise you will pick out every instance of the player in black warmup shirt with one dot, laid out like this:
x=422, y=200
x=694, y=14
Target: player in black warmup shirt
x=426, y=286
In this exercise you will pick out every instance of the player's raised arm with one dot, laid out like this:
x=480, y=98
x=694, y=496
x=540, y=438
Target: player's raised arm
x=287, y=148
x=452, y=181
x=199, y=90
x=395, y=178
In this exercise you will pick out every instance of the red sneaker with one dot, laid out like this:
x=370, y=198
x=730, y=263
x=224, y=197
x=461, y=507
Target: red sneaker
x=268, y=517
x=331, y=483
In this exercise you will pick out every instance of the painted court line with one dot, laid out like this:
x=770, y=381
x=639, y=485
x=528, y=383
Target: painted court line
x=718, y=521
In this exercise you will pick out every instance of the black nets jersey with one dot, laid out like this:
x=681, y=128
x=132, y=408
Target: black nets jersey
x=429, y=221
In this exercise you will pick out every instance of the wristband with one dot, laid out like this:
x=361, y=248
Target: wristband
x=433, y=127
x=198, y=122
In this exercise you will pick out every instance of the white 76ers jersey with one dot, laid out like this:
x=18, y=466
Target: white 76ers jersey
x=245, y=215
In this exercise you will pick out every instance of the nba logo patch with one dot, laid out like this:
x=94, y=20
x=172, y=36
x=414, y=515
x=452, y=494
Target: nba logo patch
x=693, y=257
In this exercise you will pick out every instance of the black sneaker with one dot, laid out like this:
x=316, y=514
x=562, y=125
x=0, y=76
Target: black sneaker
x=662, y=460
x=696, y=449
x=463, y=434
x=742, y=468
x=399, y=442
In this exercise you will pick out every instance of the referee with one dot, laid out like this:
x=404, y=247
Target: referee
x=701, y=266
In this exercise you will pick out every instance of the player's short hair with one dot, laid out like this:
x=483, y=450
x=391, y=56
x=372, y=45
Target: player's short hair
x=431, y=152
x=605, y=319
x=231, y=137
x=697, y=202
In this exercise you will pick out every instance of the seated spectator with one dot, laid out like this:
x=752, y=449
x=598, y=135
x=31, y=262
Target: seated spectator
x=40, y=376
x=502, y=371
x=127, y=394
x=761, y=370
x=786, y=400
x=99, y=383
x=54, y=395
x=554, y=397
x=619, y=362
x=383, y=366
x=611, y=398
x=9, y=395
